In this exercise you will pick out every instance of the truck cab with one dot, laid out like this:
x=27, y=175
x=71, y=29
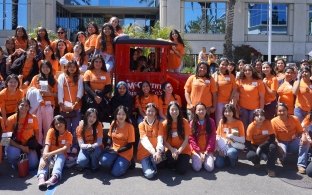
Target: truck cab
x=156, y=51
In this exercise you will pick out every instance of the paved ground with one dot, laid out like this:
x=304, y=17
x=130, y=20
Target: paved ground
x=245, y=179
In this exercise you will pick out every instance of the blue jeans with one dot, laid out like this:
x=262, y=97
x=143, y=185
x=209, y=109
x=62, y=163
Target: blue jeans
x=118, y=164
x=72, y=124
x=232, y=154
x=295, y=147
x=14, y=153
x=149, y=167
x=218, y=113
x=301, y=114
x=86, y=158
x=245, y=116
x=59, y=161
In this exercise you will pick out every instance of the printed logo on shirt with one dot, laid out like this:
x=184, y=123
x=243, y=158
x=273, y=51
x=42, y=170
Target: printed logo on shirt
x=265, y=132
x=254, y=84
x=174, y=134
x=227, y=78
x=226, y=130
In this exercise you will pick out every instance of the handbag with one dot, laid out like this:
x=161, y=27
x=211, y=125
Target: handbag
x=71, y=114
x=23, y=165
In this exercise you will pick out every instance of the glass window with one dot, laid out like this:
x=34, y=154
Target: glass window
x=13, y=13
x=145, y=59
x=310, y=20
x=114, y=3
x=258, y=18
x=204, y=17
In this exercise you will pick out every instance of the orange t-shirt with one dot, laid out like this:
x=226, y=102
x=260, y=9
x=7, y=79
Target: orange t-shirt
x=225, y=85
x=55, y=65
x=48, y=99
x=258, y=135
x=71, y=57
x=228, y=127
x=90, y=42
x=69, y=45
x=97, y=81
x=26, y=68
x=286, y=96
x=63, y=139
x=151, y=132
x=200, y=89
x=273, y=85
x=21, y=43
x=141, y=103
x=122, y=136
x=249, y=92
x=30, y=126
x=42, y=44
x=73, y=90
x=285, y=130
x=174, y=60
x=306, y=122
x=174, y=140
x=109, y=44
x=163, y=105
x=89, y=134
x=9, y=101
x=304, y=96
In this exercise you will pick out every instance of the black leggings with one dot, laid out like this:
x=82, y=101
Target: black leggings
x=270, y=150
x=181, y=164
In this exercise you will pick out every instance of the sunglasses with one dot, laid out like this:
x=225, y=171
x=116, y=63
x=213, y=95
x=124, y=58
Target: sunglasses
x=60, y=32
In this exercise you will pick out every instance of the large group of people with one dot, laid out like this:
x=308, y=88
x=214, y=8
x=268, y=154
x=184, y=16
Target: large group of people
x=56, y=95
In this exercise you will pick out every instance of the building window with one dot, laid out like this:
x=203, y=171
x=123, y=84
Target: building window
x=258, y=18
x=115, y=3
x=310, y=20
x=13, y=13
x=204, y=17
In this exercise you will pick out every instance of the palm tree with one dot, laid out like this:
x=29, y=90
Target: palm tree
x=228, y=46
x=14, y=14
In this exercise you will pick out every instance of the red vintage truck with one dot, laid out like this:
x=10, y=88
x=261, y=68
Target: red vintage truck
x=123, y=72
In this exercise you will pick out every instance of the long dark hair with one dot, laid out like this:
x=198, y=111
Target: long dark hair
x=103, y=36
x=85, y=124
x=82, y=54
x=195, y=123
x=175, y=31
x=50, y=78
x=272, y=72
x=60, y=119
x=51, y=49
x=57, y=51
x=255, y=75
x=98, y=56
x=25, y=36
x=125, y=109
x=12, y=76
x=140, y=92
x=180, y=126
x=95, y=27
x=163, y=95
x=207, y=75
x=227, y=62
x=228, y=107
x=15, y=128
x=76, y=74
x=46, y=36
